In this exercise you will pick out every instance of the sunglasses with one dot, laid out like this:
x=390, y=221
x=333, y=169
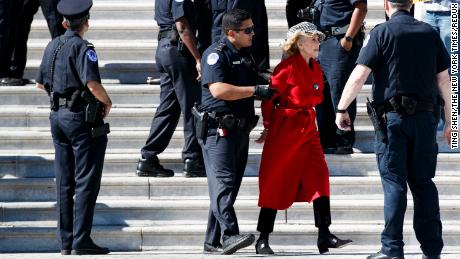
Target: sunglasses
x=248, y=30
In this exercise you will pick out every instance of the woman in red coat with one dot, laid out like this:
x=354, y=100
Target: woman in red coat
x=293, y=168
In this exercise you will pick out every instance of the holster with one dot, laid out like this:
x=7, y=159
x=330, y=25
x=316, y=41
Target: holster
x=200, y=121
x=378, y=121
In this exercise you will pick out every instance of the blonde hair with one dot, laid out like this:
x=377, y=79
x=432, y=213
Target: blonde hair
x=290, y=44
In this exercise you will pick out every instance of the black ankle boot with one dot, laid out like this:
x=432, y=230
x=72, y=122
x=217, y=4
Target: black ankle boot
x=328, y=240
x=263, y=247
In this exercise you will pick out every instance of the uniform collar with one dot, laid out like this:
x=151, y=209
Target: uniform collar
x=400, y=13
x=230, y=45
x=70, y=33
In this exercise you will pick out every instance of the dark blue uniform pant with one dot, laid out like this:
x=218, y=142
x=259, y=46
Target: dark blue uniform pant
x=79, y=159
x=410, y=156
x=25, y=11
x=179, y=91
x=337, y=65
x=5, y=24
x=225, y=162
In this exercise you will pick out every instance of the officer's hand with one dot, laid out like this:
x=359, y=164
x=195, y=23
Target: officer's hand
x=107, y=108
x=198, y=69
x=264, y=92
x=346, y=44
x=447, y=133
x=262, y=137
x=343, y=121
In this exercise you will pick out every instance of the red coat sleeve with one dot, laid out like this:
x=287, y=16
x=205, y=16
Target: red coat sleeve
x=278, y=81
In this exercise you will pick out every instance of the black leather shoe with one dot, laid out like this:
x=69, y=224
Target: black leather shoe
x=9, y=81
x=331, y=242
x=152, y=169
x=381, y=255
x=236, y=242
x=345, y=150
x=263, y=248
x=431, y=257
x=210, y=249
x=93, y=249
x=194, y=168
x=65, y=252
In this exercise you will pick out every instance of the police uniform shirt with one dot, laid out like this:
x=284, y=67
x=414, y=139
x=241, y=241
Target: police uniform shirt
x=337, y=13
x=222, y=62
x=167, y=12
x=75, y=65
x=405, y=56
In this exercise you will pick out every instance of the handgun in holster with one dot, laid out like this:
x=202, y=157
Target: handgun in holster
x=93, y=109
x=200, y=120
x=378, y=121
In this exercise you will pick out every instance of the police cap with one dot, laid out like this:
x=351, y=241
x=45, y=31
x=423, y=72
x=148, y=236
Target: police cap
x=74, y=9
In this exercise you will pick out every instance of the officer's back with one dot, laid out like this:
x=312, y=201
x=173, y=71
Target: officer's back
x=410, y=55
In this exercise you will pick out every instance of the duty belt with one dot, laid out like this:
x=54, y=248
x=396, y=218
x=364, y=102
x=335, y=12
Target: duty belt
x=421, y=106
x=230, y=122
x=172, y=35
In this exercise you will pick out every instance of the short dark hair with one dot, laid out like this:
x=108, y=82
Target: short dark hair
x=233, y=19
x=76, y=24
x=401, y=6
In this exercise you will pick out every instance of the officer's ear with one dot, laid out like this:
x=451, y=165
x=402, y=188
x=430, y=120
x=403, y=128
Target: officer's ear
x=65, y=25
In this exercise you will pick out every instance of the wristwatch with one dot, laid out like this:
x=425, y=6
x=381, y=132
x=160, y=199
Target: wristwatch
x=341, y=111
x=348, y=38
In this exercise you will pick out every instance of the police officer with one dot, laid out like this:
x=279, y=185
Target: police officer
x=410, y=67
x=24, y=11
x=229, y=86
x=341, y=21
x=69, y=73
x=178, y=60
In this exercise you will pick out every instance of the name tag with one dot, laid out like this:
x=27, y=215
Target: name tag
x=238, y=62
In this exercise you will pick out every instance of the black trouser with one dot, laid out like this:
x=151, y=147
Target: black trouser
x=5, y=23
x=326, y=122
x=179, y=91
x=321, y=208
x=26, y=9
x=337, y=65
x=292, y=7
x=78, y=164
x=225, y=161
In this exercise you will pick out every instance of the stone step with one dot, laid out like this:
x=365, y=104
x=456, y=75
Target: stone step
x=141, y=28
x=123, y=238
x=117, y=71
x=39, y=163
x=180, y=188
x=145, y=10
x=131, y=115
x=134, y=138
x=119, y=93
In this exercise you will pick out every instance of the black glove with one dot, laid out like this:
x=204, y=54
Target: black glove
x=264, y=92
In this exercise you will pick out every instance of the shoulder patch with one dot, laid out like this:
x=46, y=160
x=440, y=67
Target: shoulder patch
x=212, y=59
x=91, y=55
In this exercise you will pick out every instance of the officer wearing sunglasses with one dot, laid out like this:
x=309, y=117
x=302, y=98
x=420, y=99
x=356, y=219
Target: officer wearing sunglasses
x=229, y=79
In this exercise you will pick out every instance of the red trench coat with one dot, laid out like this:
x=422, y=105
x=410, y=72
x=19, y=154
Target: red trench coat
x=293, y=167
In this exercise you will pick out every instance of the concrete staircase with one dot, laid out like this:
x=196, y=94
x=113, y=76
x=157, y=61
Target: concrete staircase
x=139, y=214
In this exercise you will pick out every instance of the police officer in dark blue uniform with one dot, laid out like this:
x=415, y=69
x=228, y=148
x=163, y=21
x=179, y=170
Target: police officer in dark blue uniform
x=341, y=21
x=410, y=67
x=229, y=86
x=179, y=63
x=69, y=73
